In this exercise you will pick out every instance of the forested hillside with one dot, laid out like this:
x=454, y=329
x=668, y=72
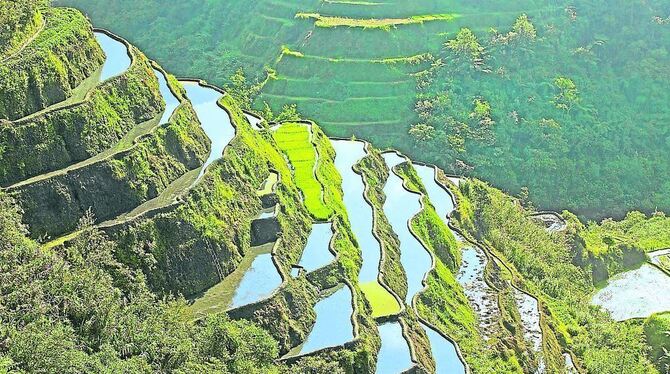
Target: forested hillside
x=155, y=224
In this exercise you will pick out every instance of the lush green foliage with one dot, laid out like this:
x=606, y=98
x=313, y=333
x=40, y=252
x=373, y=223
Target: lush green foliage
x=602, y=345
x=295, y=140
x=374, y=172
x=20, y=20
x=80, y=131
x=71, y=312
x=116, y=184
x=46, y=71
x=646, y=233
x=576, y=110
x=657, y=330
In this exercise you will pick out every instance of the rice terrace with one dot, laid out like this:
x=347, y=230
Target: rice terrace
x=335, y=186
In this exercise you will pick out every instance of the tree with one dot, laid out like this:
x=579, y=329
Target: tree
x=422, y=132
x=466, y=46
x=524, y=29
x=241, y=89
x=567, y=94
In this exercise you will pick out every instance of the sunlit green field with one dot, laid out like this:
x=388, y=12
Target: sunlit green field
x=295, y=141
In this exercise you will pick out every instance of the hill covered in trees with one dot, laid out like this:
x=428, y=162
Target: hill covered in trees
x=152, y=224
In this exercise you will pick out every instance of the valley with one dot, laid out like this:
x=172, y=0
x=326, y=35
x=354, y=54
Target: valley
x=150, y=223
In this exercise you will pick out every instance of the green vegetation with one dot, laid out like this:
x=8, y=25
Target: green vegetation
x=117, y=184
x=374, y=172
x=443, y=303
x=576, y=109
x=385, y=23
x=46, y=71
x=657, y=331
x=645, y=233
x=601, y=344
x=295, y=139
x=75, y=312
x=69, y=305
x=80, y=131
x=21, y=20
x=381, y=301
x=612, y=246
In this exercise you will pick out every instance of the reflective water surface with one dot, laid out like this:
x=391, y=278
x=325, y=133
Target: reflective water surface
x=635, y=293
x=117, y=59
x=171, y=101
x=400, y=206
x=258, y=282
x=394, y=355
x=214, y=120
x=444, y=353
x=348, y=153
x=333, y=322
x=316, y=253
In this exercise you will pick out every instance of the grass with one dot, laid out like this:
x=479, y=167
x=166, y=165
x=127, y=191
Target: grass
x=295, y=141
x=657, y=330
x=645, y=233
x=269, y=184
x=373, y=23
x=381, y=301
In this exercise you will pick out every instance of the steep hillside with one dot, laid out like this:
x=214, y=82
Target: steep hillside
x=161, y=228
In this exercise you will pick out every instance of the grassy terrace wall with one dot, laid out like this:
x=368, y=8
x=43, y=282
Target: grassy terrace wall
x=374, y=171
x=358, y=356
x=117, y=184
x=51, y=66
x=55, y=139
x=20, y=20
x=443, y=303
x=563, y=289
x=192, y=245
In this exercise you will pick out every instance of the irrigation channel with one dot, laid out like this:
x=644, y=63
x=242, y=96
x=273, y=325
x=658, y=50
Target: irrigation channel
x=394, y=356
x=471, y=276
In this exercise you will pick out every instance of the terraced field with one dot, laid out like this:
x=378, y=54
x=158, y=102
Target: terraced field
x=295, y=140
x=347, y=64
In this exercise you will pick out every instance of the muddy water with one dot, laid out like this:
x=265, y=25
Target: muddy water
x=635, y=294
x=254, y=121
x=481, y=296
x=117, y=59
x=530, y=320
